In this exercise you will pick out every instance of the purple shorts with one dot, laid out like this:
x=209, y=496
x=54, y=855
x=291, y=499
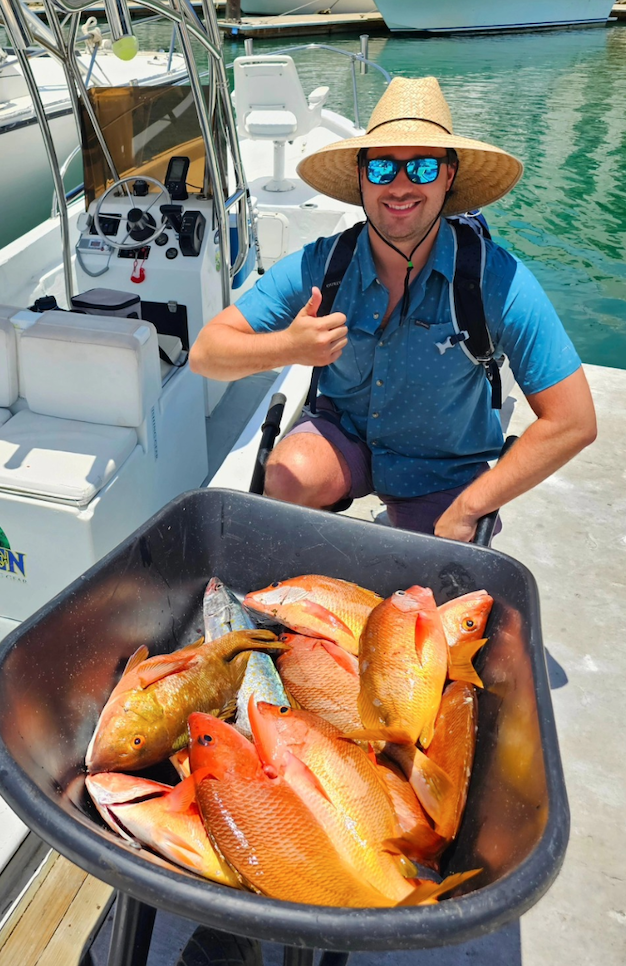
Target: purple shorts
x=418, y=513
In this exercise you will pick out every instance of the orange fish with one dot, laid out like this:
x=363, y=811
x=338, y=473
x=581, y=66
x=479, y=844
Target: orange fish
x=342, y=788
x=464, y=620
x=163, y=818
x=403, y=663
x=420, y=840
x=323, y=678
x=145, y=717
x=317, y=606
x=262, y=828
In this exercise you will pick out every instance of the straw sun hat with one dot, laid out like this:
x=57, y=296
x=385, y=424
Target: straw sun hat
x=415, y=112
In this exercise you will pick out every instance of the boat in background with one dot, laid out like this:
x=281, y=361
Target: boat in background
x=299, y=8
x=460, y=16
x=24, y=162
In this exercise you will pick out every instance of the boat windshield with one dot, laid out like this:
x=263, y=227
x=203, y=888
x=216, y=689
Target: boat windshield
x=143, y=128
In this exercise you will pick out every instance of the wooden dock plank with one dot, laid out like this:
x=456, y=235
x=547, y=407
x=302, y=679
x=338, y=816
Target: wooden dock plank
x=79, y=925
x=35, y=925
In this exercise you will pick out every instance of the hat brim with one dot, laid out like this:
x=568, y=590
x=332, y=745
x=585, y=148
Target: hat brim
x=486, y=173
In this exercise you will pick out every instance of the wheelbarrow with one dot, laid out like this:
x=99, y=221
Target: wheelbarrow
x=58, y=667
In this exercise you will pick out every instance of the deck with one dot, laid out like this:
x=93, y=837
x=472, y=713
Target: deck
x=571, y=533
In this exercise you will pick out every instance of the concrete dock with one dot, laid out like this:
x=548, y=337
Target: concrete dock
x=306, y=25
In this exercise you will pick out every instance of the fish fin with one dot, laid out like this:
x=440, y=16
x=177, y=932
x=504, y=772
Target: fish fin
x=432, y=786
x=295, y=767
x=183, y=796
x=157, y=668
x=228, y=711
x=371, y=754
x=180, y=761
x=343, y=658
x=138, y=657
x=427, y=893
x=252, y=640
x=460, y=666
x=421, y=843
x=335, y=623
x=192, y=647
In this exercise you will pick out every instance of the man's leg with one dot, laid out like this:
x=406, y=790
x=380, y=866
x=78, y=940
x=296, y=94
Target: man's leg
x=308, y=470
x=317, y=465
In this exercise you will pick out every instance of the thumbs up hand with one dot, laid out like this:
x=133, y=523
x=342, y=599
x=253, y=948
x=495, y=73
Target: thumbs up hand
x=317, y=341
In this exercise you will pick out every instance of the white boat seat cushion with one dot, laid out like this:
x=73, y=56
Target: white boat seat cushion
x=276, y=125
x=63, y=460
x=269, y=100
x=5, y=414
x=8, y=363
x=99, y=369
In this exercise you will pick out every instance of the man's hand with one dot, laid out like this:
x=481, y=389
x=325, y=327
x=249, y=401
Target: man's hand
x=456, y=523
x=316, y=341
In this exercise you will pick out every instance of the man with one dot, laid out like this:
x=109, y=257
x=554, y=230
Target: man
x=403, y=411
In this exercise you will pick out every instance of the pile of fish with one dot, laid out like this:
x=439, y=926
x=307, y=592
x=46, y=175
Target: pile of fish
x=343, y=776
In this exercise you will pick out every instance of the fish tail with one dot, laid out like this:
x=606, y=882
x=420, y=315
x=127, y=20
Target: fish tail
x=427, y=893
x=460, y=667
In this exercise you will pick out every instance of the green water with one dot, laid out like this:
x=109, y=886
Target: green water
x=558, y=101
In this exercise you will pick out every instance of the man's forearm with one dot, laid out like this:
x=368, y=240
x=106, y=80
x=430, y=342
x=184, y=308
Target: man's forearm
x=222, y=352
x=542, y=450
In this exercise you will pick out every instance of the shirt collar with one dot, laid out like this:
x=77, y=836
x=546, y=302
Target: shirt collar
x=441, y=258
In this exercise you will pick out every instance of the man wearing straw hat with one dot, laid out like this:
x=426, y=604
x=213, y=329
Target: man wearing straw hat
x=403, y=411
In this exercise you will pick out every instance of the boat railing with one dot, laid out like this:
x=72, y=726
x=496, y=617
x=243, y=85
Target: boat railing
x=216, y=118
x=361, y=59
x=74, y=192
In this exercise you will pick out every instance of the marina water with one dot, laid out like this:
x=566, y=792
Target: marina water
x=553, y=98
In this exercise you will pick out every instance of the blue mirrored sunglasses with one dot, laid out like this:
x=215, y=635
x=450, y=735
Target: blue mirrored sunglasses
x=418, y=170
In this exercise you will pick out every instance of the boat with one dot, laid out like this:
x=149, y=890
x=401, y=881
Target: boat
x=282, y=8
x=24, y=159
x=454, y=16
x=102, y=422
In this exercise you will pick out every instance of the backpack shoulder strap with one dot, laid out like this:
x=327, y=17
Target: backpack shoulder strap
x=336, y=266
x=466, y=304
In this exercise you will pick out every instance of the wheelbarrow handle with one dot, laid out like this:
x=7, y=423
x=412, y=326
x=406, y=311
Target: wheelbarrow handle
x=269, y=431
x=486, y=524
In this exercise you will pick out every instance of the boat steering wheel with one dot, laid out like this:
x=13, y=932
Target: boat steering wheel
x=141, y=226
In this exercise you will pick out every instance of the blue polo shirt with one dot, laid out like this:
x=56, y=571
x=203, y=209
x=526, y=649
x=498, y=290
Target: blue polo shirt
x=425, y=414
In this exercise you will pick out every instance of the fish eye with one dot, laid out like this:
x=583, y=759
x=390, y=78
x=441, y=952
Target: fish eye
x=275, y=584
x=284, y=709
x=205, y=740
x=138, y=741
x=400, y=593
x=468, y=624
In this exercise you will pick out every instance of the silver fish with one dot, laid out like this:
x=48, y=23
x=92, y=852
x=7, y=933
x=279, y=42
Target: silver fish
x=222, y=612
x=262, y=680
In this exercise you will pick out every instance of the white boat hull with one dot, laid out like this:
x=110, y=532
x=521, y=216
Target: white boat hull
x=275, y=8
x=452, y=16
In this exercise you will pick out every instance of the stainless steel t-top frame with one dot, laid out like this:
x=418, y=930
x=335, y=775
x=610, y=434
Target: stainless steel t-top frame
x=217, y=123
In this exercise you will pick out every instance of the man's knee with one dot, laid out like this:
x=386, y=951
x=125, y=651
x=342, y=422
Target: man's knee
x=296, y=472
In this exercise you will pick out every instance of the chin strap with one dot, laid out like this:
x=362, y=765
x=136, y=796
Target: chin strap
x=409, y=261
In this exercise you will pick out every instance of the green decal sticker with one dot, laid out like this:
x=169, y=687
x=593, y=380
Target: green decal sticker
x=4, y=542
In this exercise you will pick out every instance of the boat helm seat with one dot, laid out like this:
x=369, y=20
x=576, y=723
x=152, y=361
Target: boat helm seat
x=271, y=106
x=89, y=383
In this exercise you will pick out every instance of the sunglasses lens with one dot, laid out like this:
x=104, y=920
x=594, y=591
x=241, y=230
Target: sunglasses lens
x=382, y=170
x=423, y=170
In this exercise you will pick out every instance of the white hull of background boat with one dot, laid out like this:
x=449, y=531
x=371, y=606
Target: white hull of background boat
x=275, y=8
x=452, y=16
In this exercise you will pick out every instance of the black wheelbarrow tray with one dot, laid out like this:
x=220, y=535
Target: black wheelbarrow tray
x=58, y=667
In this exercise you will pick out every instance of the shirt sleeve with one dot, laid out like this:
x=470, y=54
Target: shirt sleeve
x=280, y=293
x=531, y=334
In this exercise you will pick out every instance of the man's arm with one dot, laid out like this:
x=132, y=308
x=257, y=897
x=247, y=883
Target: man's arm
x=565, y=424
x=228, y=347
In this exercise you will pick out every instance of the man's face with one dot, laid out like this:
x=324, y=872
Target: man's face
x=403, y=211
